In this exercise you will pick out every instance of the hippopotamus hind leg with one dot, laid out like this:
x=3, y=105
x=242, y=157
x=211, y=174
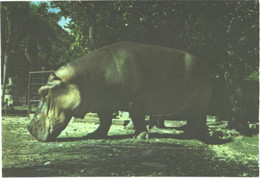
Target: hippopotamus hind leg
x=196, y=124
x=139, y=125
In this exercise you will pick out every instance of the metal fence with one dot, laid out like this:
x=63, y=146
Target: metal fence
x=14, y=104
x=36, y=80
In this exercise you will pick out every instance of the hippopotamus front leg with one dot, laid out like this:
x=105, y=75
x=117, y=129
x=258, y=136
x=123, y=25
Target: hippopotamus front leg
x=105, y=119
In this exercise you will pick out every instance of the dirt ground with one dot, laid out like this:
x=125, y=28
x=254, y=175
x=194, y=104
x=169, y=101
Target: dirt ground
x=166, y=153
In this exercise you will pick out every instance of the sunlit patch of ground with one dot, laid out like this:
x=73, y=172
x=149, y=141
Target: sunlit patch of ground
x=120, y=155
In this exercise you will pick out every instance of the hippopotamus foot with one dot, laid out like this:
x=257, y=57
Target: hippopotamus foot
x=96, y=135
x=138, y=120
x=142, y=135
x=196, y=133
x=157, y=122
x=130, y=125
x=105, y=118
x=196, y=127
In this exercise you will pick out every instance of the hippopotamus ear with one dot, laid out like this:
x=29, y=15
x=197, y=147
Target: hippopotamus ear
x=54, y=81
x=44, y=90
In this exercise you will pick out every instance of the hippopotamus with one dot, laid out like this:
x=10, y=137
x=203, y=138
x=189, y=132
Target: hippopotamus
x=139, y=78
x=219, y=105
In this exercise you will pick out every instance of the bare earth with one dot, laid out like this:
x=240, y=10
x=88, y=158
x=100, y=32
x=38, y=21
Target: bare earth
x=166, y=153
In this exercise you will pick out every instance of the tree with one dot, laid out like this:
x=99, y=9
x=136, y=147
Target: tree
x=31, y=39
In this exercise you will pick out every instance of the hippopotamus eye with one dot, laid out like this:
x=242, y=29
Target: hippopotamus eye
x=53, y=76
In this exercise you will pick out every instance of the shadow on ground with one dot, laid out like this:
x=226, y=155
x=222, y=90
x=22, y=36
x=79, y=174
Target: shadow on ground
x=139, y=159
x=206, y=139
x=164, y=154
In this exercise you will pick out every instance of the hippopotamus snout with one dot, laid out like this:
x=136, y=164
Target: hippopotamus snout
x=39, y=127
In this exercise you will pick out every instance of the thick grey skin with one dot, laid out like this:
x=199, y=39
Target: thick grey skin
x=139, y=78
x=219, y=105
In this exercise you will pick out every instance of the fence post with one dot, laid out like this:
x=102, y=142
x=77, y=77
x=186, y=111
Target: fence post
x=33, y=86
x=6, y=106
x=28, y=95
x=4, y=77
x=42, y=75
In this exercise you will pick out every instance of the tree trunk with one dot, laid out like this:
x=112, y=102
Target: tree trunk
x=91, y=41
x=236, y=97
x=6, y=30
x=4, y=78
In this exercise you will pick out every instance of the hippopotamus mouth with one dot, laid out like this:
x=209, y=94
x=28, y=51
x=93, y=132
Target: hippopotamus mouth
x=39, y=125
x=38, y=129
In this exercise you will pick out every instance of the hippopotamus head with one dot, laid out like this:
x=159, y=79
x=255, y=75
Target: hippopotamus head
x=59, y=100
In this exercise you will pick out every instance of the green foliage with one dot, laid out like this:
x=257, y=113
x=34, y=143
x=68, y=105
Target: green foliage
x=253, y=76
x=32, y=39
x=207, y=29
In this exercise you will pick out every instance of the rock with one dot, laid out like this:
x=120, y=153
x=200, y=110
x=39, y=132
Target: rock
x=48, y=163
